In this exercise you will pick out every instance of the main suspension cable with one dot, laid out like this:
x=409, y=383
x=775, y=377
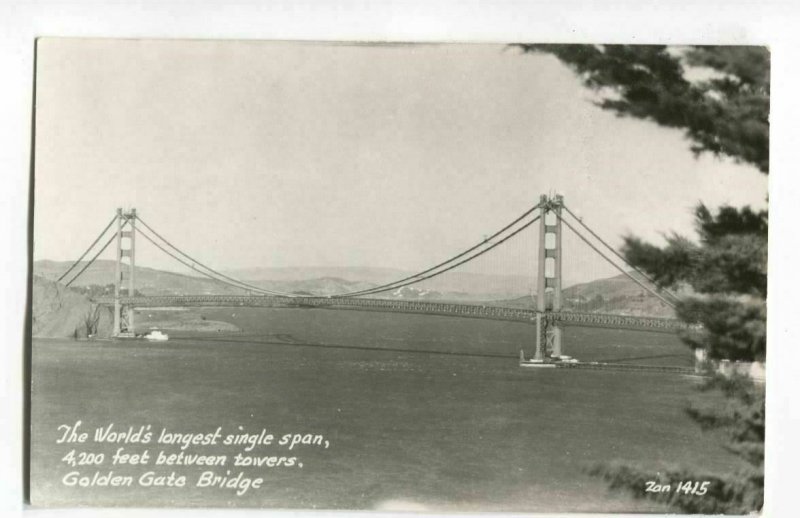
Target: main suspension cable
x=88, y=249
x=615, y=265
x=395, y=284
x=191, y=266
x=614, y=251
x=215, y=272
x=468, y=259
x=87, y=265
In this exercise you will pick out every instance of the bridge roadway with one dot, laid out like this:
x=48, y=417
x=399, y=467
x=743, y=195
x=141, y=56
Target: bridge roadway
x=564, y=318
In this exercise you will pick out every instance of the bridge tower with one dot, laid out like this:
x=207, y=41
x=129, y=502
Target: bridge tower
x=125, y=273
x=548, y=284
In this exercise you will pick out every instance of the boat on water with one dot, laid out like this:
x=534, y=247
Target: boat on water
x=539, y=364
x=566, y=359
x=154, y=335
x=547, y=363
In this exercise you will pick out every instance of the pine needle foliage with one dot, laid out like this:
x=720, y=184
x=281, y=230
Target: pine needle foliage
x=719, y=97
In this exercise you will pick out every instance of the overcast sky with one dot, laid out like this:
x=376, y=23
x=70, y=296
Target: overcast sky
x=274, y=154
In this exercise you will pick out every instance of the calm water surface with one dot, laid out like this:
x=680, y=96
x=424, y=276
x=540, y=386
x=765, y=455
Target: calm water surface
x=420, y=412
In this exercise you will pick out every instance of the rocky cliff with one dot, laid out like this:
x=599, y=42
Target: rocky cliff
x=58, y=312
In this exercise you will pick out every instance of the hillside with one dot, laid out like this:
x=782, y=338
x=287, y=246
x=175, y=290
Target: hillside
x=612, y=287
x=149, y=281
x=615, y=294
x=368, y=275
x=317, y=286
x=58, y=312
x=619, y=295
x=318, y=280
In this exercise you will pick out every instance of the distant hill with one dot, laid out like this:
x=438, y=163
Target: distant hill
x=316, y=286
x=619, y=286
x=618, y=295
x=453, y=285
x=412, y=293
x=374, y=276
x=615, y=294
x=149, y=281
x=300, y=280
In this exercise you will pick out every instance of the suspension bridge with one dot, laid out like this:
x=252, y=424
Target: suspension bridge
x=548, y=311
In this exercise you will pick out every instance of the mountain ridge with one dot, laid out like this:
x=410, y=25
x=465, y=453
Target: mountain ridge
x=615, y=294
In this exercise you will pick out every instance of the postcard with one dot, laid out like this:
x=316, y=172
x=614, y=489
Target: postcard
x=399, y=276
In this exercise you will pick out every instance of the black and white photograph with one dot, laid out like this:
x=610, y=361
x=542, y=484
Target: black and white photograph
x=399, y=276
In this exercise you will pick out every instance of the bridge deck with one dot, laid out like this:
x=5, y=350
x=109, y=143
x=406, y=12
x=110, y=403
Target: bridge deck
x=628, y=367
x=563, y=318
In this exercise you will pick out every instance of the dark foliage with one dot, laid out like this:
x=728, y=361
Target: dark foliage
x=732, y=329
x=738, y=494
x=742, y=419
x=731, y=256
x=91, y=320
x=726, y=267
x=725, y=114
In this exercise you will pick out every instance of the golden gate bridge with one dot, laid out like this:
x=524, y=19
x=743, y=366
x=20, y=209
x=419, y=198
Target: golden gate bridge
x=548, y=312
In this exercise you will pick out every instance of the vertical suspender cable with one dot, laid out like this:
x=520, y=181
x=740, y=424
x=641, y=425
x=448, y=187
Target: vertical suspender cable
x=87, y=265
x=220, y=274
x=463, y=261
x=443, y=263
x=205, y=274
x=87, y=250
x=634, y=268
x=634, y=279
